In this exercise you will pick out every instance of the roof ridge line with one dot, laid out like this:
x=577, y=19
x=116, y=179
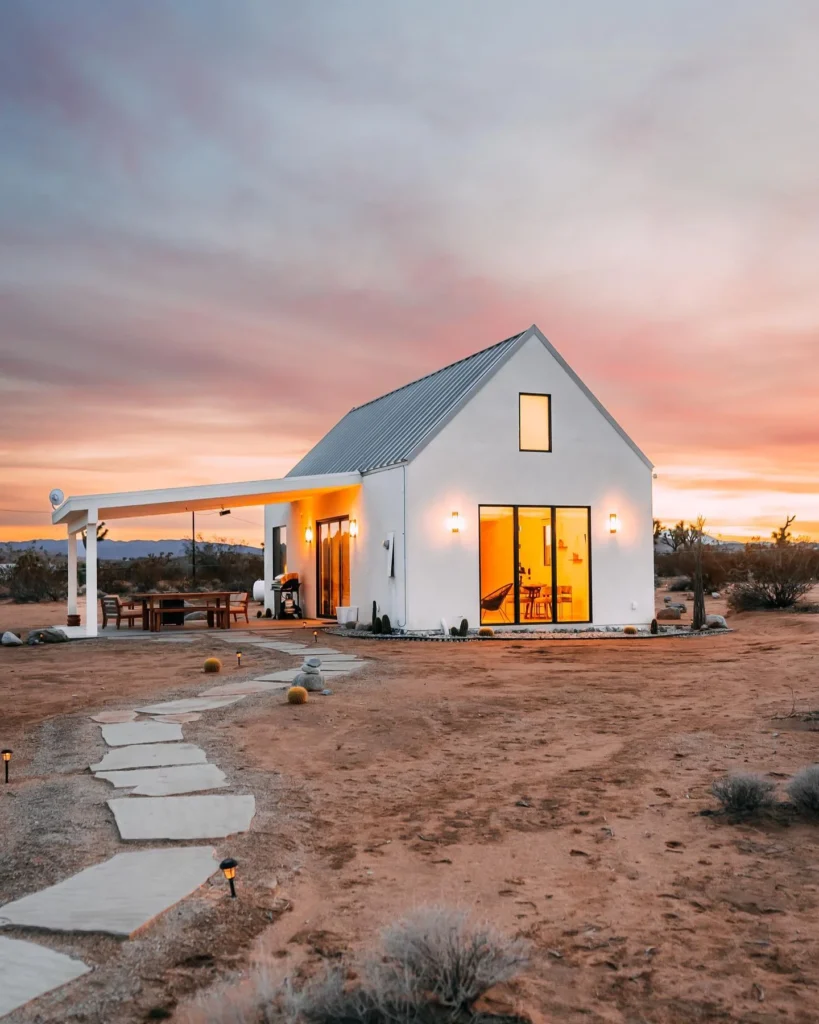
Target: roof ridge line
x=441, y=369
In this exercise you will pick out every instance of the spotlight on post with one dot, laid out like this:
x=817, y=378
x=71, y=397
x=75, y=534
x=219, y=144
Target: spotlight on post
x=228, y=867
x=6, y=755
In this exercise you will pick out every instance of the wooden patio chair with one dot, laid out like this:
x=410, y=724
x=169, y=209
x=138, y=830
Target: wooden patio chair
x=238, y=605
x=113, y=607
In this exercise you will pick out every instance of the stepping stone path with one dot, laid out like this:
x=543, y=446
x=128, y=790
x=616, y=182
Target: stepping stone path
x=28, y=970
x=150, y=755
x=124, y=893
x=175, y=707
x=183, y=817
x=126, y=733
x=117, y=896
x=183, y=778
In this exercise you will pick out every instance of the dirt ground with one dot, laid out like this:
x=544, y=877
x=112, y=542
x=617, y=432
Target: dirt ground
x=553, y=787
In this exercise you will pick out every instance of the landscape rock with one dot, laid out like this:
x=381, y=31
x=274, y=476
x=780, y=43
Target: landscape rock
x=309, y=675
x=47, y=636
x=10, y=640
x=669, y=613
x=678, y=607
x=715, y=622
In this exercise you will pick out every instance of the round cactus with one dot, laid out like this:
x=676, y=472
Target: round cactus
x=630, y=630
x=297, y=695
x=486, y=631
x=213, y=665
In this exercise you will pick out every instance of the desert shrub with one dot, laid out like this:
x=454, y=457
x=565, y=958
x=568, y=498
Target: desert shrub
x=682, y=583
x=486, y=631
x=773, y=577
x=803, y=789
x=35, y=577
x=297, y=695
x=743, y=794
x=213, y=665
x=449, y=958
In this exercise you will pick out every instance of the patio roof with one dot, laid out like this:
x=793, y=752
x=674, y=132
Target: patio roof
x=76, y=511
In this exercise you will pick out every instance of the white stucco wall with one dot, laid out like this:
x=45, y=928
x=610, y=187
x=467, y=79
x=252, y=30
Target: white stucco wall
x=378, y=508
x=475, y=460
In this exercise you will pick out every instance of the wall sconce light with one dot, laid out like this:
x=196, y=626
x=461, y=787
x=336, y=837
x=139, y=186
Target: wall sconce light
x=308, y=535
x=6, y=755
x=614, y=523
x=228, y=867
x=353, y=527
x=455, y=522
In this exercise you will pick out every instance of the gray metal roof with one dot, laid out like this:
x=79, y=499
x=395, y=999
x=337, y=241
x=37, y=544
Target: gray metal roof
x=392, y=429
x=388, y=430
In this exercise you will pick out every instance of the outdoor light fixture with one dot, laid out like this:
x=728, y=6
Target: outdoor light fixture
x=455, y=522
x=308, y=535
x=228, y=867
x=614, y=523
x=353, y=527
x=315, y=636
x=6, y=755
x=225, y=512
x=238, y=659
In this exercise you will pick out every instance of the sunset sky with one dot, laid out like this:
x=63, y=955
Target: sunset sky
x=223, y=224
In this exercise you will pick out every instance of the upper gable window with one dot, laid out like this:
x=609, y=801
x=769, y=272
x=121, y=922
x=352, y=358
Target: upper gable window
x=535, y=423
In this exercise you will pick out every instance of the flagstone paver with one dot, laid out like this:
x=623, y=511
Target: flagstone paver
x=251, y=686
x=28, y=970
x=108, y=717
x=173, y=707
x=180, y=719
x=169, y=781
x=150, y=755
x=284, y=675
x=119, y=895
x=182, y=817
x=127, y=733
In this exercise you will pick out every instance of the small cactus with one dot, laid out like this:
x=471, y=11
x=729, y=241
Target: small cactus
x=630, y=630
x=453, y=630
x=386, y=625
x=297, y=695
x=268, y=613
x=463, y=629
x=655, y=629
x=213, y=665
x=486, y=631
x=376, y=625
x=375, y=616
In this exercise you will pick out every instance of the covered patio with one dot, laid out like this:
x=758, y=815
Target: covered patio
x=83, y=512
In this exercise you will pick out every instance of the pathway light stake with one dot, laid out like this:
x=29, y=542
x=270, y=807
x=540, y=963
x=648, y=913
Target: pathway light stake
x=315, y=636
x=6, y=755
x=238, y=659
x=229, y=866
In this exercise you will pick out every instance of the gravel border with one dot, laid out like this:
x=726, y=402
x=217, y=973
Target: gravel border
x=553, y=635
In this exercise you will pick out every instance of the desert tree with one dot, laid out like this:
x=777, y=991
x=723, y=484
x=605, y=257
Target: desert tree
x=698, y=612
x=102, y=533
x=781, y=536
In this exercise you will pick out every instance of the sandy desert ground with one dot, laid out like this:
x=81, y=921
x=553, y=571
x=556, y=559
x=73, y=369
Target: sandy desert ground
x=554, y=787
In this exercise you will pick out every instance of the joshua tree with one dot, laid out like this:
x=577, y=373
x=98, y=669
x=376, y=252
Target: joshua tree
x=782, y=536
x=698, y=613
x=102, y=533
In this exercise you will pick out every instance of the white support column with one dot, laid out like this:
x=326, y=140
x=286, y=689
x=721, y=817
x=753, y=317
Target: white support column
x=72, y=573
x=268, y=557
x=91, y=612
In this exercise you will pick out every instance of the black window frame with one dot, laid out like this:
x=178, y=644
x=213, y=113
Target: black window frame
x=516, y=565
x=535, y=394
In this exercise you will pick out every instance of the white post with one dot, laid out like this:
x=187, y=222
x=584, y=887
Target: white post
x=268, y=557
x=91, y=612
x=72, y=573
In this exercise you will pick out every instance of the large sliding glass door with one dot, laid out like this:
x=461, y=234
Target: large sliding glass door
x=535, y=564
x=333, y=555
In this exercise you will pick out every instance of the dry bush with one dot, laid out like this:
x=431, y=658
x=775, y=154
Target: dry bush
x=803, y=789
x=773, y=577
x=35, y=577
x=743, y=795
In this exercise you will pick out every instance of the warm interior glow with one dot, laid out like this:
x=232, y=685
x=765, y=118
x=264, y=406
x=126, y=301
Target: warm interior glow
x=334, y=566
x=6, y=755
x=497, y=532
x=535, y=428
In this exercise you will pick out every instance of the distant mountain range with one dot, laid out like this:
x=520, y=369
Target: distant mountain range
x=111, y=549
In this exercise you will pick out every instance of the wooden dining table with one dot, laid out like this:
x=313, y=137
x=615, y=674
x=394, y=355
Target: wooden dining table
x=157, y=608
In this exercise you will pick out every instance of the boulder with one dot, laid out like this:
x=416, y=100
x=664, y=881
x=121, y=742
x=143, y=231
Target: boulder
x=678, y=607
x=669, y=613
x=310, y=676
x=47, y=636
x=10, y=640
x=715, y=622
